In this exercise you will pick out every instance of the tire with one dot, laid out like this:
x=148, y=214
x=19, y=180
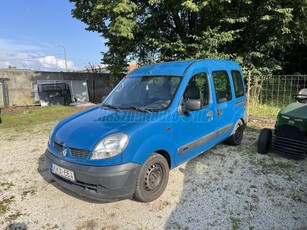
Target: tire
x=152, y=179
x=264, y=141
x=236, y=138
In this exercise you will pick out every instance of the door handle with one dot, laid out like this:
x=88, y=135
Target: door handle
x=219, y=112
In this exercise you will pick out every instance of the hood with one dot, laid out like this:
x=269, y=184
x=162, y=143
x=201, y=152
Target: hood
x=294, y=114
x=84, y=130
x=295, y=110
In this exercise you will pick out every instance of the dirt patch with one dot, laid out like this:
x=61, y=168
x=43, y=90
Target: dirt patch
x=14, y=110
x=224, y=188
x=261, y=123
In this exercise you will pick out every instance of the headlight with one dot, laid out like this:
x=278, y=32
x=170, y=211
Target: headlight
x=110, y=146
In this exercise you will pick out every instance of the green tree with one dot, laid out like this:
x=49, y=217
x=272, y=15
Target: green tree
x=257, y=33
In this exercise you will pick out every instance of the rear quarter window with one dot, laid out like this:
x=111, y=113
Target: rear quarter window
x=238, y=83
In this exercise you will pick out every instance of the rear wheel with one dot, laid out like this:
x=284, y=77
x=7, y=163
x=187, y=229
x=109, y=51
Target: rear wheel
x=152, y=179
x=264, y=140
x=236, y=138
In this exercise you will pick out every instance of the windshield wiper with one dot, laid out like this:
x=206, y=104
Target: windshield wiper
x=110, y=106
x=140, y=109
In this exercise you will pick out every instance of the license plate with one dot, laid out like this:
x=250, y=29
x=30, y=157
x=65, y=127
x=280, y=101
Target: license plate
x=62, y=172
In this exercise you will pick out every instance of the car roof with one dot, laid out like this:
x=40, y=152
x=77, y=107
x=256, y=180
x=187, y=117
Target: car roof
x=178, y=68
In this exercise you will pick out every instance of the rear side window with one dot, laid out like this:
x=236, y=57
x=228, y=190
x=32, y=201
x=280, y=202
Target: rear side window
x=222, y=86
x=198, y=88
x=238, y=83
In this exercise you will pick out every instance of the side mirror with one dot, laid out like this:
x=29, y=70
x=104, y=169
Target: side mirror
x=192, y=105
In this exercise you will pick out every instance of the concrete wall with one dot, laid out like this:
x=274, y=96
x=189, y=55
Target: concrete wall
x=1, y=97
x=21, y=84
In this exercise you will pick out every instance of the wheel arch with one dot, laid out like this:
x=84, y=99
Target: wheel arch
x=155, y=144
x=166, y=155
x=240, y=121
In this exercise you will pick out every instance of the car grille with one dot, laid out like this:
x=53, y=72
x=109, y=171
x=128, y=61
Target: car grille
x=58, y=147
x=78, y=153
x=289, y=147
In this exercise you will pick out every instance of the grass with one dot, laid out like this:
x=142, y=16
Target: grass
x=40, y=115
x=4, y=204
x=235, y=223
x=6, y=185
x=14, y=216
x=263, y=111
x=36, y=115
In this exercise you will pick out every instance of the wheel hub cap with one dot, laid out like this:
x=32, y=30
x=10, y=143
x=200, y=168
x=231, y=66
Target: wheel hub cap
x=153, y=177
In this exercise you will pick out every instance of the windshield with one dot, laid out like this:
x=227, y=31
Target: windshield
x=147, y=93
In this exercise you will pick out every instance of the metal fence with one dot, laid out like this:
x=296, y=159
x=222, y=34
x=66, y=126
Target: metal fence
x=275, y=90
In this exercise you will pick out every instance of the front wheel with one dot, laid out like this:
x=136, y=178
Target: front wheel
x=264, y=141
x=152, y=179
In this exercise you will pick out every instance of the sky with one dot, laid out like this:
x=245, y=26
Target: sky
x=35, y=33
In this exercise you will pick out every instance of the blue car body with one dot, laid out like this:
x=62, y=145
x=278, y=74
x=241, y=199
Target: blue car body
x=175, y=134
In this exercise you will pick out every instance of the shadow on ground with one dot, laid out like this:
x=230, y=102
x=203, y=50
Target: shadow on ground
x=237, y=188
x=200, y=204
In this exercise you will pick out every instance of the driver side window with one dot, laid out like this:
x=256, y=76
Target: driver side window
x=198, y=88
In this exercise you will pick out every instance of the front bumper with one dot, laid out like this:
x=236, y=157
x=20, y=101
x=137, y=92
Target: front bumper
x=99, y=183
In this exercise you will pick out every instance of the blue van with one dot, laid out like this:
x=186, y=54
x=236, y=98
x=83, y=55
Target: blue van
x=156, y=118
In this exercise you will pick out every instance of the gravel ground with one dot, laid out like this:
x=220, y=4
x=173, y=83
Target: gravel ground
x=224, y=188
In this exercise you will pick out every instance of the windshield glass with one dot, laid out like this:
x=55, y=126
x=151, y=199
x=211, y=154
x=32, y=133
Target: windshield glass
x=147, y=93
